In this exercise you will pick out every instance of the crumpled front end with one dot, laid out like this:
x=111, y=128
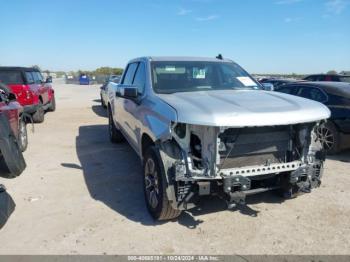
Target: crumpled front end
x=236, y=162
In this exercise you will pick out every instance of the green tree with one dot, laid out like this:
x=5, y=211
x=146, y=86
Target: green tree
x=36, y=67
x=105, y=70
x=331, y=72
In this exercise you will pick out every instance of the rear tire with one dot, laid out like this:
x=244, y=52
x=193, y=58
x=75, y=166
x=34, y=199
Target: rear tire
x=154, y=185
x=10, y=150
x=22, y=135
x=103, y=104
x=39, y=115
x=114, y=134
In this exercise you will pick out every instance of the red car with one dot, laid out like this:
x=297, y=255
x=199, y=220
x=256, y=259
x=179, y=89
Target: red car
x=13, y=135
x=32, y=92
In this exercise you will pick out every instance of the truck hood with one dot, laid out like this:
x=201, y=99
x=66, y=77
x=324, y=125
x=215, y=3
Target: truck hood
x=241, y=108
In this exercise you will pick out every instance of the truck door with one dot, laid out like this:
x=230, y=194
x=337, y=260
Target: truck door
x=121, y=106
x=132, y=108
x=42, y=87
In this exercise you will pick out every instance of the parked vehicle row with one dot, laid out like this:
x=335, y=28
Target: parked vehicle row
x=35, y=94
x=328, y=78
x=24, y=97
x=204, y=126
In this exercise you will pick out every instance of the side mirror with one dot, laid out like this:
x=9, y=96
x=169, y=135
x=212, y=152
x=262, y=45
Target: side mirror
x=268, y=86
x=49, y=79
x=130, y=92
x=11, y=97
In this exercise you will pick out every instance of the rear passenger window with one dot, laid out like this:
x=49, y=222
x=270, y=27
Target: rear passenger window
x=11, y=77
x=140, y=78
x=313, y=93
x=29, y=77
x=129, y=75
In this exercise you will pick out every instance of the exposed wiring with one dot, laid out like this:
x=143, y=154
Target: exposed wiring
x=233, y=145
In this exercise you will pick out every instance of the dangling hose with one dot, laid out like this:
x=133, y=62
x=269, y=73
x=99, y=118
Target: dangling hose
x=28, y=118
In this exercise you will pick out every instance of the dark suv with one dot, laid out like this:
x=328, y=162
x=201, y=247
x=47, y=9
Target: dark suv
x=335, y=134
x=32, y=92
x=13, y=135
x=328, y=77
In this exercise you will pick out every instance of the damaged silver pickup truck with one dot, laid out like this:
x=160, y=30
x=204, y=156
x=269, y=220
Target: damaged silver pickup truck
x=204, y=126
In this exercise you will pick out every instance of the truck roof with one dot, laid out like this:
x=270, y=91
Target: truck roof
x=181, y=58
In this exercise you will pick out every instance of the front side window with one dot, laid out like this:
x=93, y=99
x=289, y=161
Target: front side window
x=11, y=77
x=190, y=76
x=29, y=77
x=129, y=75
x=140, y=78
x=37, y=77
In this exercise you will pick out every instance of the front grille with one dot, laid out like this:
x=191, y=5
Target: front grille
x=253, y=146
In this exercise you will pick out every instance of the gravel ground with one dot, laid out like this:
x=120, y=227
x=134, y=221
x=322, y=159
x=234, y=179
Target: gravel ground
x=80, y=194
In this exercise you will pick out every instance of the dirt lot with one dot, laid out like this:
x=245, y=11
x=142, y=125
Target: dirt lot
x=80, y=194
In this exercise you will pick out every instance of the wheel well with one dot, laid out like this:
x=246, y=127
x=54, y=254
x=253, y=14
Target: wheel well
x=331, y=122
x=146, y=142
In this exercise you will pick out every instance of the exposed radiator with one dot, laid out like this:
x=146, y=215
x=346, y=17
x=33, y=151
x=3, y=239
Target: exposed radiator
x=253, y=146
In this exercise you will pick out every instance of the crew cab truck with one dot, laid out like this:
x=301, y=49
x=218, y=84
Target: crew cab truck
x=13, y=135
x=32, y=92
x=204, y=126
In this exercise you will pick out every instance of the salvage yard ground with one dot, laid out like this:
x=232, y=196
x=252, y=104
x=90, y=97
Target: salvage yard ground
x=80, y=194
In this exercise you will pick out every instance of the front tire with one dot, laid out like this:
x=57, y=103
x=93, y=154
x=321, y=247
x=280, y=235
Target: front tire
x=114, y=134
x=154, y=185
x=52, y=107
x=329, y=137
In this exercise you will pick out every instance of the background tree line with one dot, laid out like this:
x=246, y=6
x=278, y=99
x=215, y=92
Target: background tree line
x=104, y=70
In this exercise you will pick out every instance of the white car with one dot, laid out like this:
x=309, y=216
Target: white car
x=204, y=126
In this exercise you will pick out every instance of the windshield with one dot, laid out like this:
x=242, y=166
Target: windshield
x=185, y=76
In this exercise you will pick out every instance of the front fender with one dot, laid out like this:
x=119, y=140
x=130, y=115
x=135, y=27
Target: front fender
x=158, y=129
x=157, y=119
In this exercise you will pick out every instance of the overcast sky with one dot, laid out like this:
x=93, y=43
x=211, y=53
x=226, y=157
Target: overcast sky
x=264, y=36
